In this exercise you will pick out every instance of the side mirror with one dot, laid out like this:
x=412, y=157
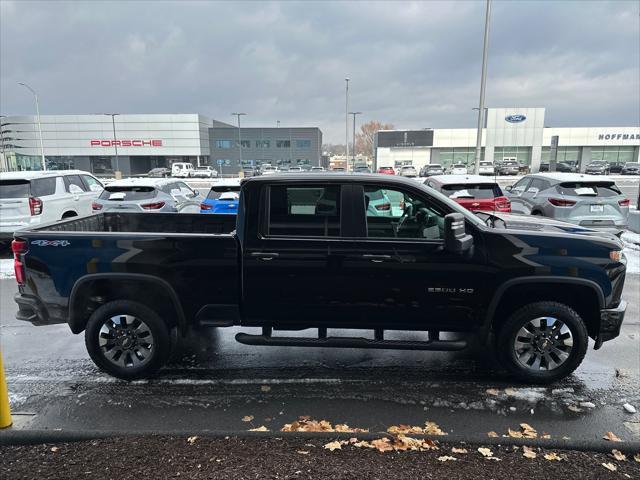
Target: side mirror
x=508, y=188
x=456, y=239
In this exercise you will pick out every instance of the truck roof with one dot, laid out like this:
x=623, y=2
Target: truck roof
x=572, y=177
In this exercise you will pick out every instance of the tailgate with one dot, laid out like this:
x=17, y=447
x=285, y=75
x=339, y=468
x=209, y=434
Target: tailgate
x=14, y=202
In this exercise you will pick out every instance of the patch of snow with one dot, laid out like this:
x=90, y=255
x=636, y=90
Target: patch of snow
x=631, y=250
x=16, y=399
x=531, y=395
x=629, y=408
x=6, y=268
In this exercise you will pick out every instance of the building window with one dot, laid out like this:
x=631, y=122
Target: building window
x=263, y=143
x=450, y=156
x=224, y=143
x=612, y=154
x=283, y=143
x=303, y=143
x=565, y=154
x=245, y=144
x=521, y=154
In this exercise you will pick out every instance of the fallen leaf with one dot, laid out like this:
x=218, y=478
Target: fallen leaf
x=528, y=431
x=192, y=440
x=492, y=434
x=528, y=452
x=382, y=445
x=636, y=457
x=485, y=452
x=610, y=466
x=458, y=450
x=54, y=449
x=574, y=408
x=545, y=436
x=247, y=418
x=333, y=446
x=259, y=429
x=303, y=452
x=612, y=437
x=305, y=424
x=514, y=434
x=265, y=388
x=432, y=428
x=446, y=458
x=552, y=456
x=492, y=391
x=618, y=455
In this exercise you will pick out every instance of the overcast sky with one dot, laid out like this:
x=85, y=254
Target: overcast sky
x=414, y=64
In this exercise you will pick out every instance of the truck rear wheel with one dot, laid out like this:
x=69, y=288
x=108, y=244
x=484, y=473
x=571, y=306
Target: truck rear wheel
x=542, y=342
x=127, y=339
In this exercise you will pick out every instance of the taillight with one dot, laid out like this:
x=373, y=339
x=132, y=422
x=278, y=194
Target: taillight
x=153, y=206
x=205, y=206
x=383, y=206
x=18, y=247
x=503, y=204
x=624, y=203
x=35, y=205
x=561, y=202
x=96, y=206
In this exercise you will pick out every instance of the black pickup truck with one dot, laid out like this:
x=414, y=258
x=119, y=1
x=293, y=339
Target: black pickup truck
x=327, y=251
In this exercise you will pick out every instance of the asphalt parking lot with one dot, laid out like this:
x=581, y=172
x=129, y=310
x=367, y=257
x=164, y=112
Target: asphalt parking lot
x=214, y=384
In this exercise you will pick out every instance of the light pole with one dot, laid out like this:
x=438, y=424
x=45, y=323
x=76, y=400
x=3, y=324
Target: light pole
x=353, y=153
x=44, y=164
x=239, y=136
x=113, y=116
x=277, y=123
x=346, y=126
x=483, y=81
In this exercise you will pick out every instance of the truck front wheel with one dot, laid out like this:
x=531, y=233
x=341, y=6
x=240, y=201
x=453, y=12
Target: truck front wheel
x=127, y=339
x=542, y=342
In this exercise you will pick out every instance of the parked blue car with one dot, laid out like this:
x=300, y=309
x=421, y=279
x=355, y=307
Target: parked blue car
x=222, y=198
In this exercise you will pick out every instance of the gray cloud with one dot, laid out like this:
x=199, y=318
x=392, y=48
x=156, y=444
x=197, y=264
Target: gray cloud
x=415, y=64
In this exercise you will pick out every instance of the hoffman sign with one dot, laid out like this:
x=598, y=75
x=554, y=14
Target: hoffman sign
x=126, y=143
x=619, y=136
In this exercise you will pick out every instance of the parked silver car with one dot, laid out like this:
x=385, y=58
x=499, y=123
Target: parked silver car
x=148, y=195
x=584, y=200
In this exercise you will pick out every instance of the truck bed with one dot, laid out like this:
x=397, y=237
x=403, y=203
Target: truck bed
x=145, y=223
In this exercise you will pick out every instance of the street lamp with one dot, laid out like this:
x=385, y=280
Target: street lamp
x=239, y=136
x=44, y=164
x=353, y=153
x=346, y=126
x=115, y=142
x=483, y=81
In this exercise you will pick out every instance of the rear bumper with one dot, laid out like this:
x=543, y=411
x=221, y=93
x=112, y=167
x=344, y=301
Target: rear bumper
x=610, y=322
x=32, y=310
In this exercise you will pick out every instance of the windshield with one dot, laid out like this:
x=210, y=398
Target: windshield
x=128, y=193
x=14, y=189
x=434, y=167
x=475, y=191
x=457, y=165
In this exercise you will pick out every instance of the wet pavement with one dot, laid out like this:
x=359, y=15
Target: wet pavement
x=213, y=382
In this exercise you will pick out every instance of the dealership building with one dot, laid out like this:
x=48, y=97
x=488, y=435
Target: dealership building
x=134, y=144
x=509, y=133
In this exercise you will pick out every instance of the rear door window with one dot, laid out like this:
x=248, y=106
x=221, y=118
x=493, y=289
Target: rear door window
x=91, y=183
x=304, y=211
x=593, y=189
x=42, y=187
x=476, y=191
x=14, y=189
x=74, y=180
x=128, y=193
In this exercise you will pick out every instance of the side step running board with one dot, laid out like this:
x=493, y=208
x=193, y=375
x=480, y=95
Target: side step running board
x=351, y=342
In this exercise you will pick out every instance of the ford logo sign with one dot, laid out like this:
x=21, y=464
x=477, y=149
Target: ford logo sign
x=515, y=118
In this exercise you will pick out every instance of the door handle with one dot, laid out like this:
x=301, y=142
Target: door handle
x=264, y=255
x=376, y=258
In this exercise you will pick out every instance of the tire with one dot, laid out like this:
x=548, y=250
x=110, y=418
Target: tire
x=136, y=359
x=550, y=316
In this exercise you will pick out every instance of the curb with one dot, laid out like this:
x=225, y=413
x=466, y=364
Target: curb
x=35, y=437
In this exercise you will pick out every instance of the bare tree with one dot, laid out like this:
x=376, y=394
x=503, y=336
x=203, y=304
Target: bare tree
x=331, y=149
x=365, y=139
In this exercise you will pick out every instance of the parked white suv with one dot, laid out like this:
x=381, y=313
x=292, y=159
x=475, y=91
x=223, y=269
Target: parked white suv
x=181, y=169
x=33, y=198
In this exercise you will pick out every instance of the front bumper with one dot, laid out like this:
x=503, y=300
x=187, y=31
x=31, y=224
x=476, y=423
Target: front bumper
x=610, y=323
